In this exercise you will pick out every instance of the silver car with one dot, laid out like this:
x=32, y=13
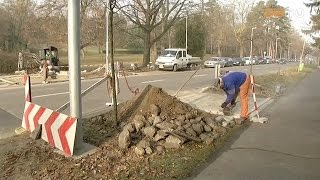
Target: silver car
x=213, y=61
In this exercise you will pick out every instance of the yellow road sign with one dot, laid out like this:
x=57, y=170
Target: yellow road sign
x=274, y=12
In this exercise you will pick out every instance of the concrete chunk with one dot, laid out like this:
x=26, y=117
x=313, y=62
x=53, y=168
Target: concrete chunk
x=219, y=118
x=138, y=123
x=155, y=109
x=156, y=120
x=148, y=150
x=166, y=126
x=207, y=128
x=143, y=143
x=36, y=133
x=198, y=128
x=129, y=127
x=172, y=142
x=124, y=139
x=139, y=151
x=149, y=131
x=191, y=132
x=181, y=118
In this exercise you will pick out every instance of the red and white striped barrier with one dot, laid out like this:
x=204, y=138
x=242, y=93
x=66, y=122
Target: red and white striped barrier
x=57, y=129
x=27, y=87
x=254, y=95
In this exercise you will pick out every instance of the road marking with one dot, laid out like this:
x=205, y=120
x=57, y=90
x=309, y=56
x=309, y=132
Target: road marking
x=146, y=82
x=46, y=95
x=200, y=75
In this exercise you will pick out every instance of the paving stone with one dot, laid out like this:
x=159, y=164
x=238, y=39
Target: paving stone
x=207, y=128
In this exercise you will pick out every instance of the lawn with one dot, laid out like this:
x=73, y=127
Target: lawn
x=93, y=57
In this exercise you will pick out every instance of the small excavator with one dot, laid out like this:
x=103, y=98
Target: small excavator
x=32, y=62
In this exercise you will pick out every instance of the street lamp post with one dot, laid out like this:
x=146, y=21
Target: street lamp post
x=74, y=67
x=276, y=54
x=187, y=31
x=251, y=47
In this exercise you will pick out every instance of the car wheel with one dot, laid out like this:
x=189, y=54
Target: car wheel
x=175, y=68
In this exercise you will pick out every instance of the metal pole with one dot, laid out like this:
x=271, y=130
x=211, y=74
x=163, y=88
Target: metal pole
x=107, y=37
x=74, y=66
x=216, y=71
x=187, y=32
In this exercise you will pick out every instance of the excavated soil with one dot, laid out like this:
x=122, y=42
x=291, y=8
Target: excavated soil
x=24, y=158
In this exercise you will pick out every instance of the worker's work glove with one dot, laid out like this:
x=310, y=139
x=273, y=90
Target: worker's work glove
x=223, y=105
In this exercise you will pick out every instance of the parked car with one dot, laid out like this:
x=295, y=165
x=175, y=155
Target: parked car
x=260, y=60
x=238, y=62
x=176, y=58
x=228, y=62
x=268, y=59
x=282, y=61
x=213, y=61
x=248, y=60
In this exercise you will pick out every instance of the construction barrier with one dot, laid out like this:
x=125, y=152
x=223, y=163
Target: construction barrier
x=58, y=129
x=254, y=95
x=27, y=87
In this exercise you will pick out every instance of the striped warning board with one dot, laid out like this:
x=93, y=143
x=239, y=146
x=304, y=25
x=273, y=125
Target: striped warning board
x=27, y=87
x=57, y=129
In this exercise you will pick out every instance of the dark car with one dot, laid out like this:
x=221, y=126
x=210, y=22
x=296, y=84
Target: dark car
x=260, y=60
x=238, y=62
x=228, y=62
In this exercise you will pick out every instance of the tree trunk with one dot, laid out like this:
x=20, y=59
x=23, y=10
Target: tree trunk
x=111, y=41
x=147, y=48
x=241, y=49
x=219, y=50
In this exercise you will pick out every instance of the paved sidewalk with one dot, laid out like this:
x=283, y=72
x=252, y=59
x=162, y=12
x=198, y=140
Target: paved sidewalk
x=5, y=129
x=288, y=147
x=211, y=102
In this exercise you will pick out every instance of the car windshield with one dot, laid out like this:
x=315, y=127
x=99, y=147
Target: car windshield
x=168, y=53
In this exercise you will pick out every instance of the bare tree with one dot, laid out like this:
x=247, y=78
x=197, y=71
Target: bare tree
x=145, y=15
x=240, y=11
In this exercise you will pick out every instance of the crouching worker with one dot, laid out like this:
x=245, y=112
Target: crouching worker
x=234, y=83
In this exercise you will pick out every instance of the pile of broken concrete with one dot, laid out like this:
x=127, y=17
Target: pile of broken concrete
x=151, y=132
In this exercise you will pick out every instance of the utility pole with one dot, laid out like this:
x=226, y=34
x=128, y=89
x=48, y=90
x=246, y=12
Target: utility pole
x=107, y=37
x=74, y=67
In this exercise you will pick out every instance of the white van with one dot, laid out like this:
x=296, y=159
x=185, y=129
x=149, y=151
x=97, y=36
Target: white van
x=174, y=59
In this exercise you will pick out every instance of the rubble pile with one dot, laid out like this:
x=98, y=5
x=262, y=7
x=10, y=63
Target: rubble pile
x=163, y=122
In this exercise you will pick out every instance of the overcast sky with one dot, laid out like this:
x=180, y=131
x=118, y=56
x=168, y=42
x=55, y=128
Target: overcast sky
x=298, y=12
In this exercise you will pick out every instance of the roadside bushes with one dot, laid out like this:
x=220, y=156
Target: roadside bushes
x=8, y=63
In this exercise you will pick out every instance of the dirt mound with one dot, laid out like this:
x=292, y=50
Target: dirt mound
x=109, y=160
x=98, y=129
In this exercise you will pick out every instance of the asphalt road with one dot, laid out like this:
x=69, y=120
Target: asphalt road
x=54, y=95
